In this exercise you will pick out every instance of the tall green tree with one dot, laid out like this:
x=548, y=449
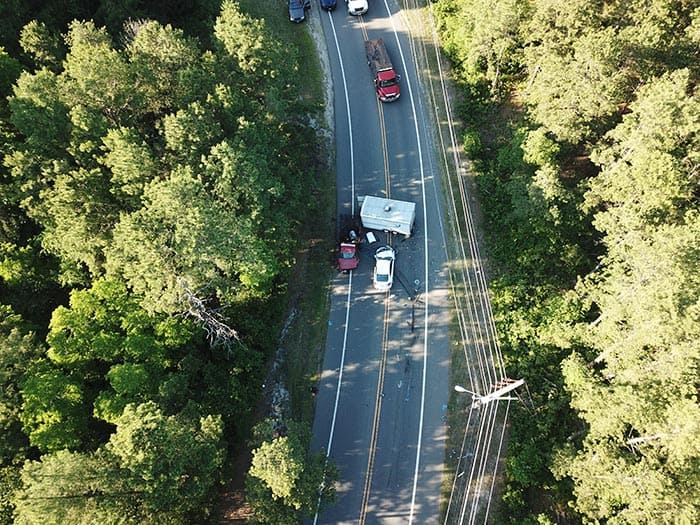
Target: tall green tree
x=78, y=212
x=173, y=462
x=42, y=45
x=243, y=38
x=9, y=72
x=164, y=61
x=264, y=64
x=9, y=483
x=131, y=163
x=638, y=395
x=155, y=469
x=40, y=116
x=190, y=133
x=182, y=240
x=54, y=412
x=611, y=89
x=248, y=183
x=73, y=487
x=105, y=323
x=648, y=160
x=486, y=38
x=285, y=484
x=585, y=59
x=18, y=348
x=578, y=77
x=105, y=336
x=97, y=76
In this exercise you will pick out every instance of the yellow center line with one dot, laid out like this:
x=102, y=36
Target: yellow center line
x=385, y=333
x=377, y=412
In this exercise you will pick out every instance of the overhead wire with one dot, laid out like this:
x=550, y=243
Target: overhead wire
x=477, y=329
x=484, y=334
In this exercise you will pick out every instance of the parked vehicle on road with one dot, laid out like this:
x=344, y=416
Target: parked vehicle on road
x=384, y=268
x=386, y=81
x=297, y=10
x=357, y=7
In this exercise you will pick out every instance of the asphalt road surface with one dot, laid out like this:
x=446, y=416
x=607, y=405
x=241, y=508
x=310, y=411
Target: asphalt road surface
x=381, y=405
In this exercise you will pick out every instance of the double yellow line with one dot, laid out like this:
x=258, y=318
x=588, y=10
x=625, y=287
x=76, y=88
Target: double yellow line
x=385, y=332
x=377, y=413
x=382, y=130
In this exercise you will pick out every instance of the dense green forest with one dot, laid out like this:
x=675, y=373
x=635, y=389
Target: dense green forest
x=151, y=182
x=583, y=121
x=151, y=185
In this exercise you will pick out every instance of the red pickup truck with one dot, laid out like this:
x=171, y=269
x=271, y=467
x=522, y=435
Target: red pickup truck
x=386, y=81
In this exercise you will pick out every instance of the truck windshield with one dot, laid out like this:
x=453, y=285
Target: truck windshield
x=387, y=83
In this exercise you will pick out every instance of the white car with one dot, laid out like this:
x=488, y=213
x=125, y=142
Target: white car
x=357, y=7
x=384, y=268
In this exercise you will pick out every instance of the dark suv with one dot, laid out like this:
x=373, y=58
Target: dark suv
x=328, y=5
x=297, y=10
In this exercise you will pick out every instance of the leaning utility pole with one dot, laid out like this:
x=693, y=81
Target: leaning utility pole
x=502, y=387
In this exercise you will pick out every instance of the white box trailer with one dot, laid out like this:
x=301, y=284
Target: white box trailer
x=378, y=213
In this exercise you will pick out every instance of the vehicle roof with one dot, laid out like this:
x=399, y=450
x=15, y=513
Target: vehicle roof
x=384, y=265
x=383, y=270
x=347, y=258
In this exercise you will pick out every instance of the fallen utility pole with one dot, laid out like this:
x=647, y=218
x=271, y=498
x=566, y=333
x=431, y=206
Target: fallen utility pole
x=502, y=387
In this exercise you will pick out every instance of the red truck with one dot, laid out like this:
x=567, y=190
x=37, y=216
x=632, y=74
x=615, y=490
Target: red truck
x=347, y=254
x=386, y=81
x=348, y=258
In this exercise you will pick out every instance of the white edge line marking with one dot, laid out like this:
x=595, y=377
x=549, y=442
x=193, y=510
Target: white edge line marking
x=425, y=279
x=347, y=304
x=342, y=363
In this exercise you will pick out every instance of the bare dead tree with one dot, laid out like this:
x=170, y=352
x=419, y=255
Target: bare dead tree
x=130, y=29
x=218, y=332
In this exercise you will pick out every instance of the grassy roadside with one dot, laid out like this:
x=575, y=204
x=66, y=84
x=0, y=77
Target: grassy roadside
x=303, y=324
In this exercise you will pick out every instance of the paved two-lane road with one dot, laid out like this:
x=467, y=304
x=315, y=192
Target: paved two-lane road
x=383, y=392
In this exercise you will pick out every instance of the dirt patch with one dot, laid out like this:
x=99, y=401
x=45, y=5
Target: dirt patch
x=316, y=31
x=232, y=506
